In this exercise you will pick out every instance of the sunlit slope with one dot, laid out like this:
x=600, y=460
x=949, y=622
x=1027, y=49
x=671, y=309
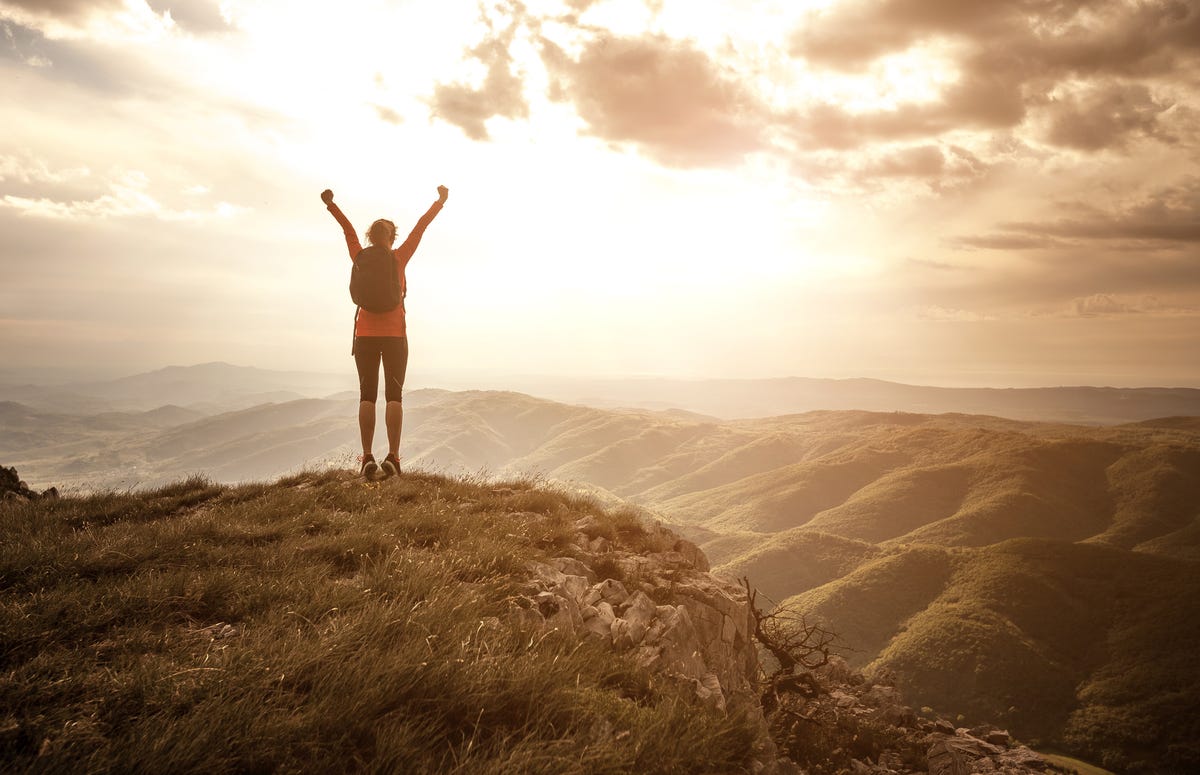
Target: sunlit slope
x=951, y=484
x=1089, y=644
x=795, y=560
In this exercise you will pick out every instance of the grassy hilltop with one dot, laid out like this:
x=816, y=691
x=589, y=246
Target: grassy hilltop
x=1039, y=575
x=318, y=624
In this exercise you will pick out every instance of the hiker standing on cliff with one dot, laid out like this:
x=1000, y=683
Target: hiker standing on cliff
x=378, y=286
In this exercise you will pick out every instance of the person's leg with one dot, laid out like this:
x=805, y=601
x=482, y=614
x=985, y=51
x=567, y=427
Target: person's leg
x=366, y=359
x=366, y=425
x=395, y=366
x=394, y=419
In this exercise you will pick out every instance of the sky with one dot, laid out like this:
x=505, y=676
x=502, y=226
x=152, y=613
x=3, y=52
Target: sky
x=966, y=192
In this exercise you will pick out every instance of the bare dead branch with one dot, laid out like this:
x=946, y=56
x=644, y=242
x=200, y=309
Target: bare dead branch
x=796, y=645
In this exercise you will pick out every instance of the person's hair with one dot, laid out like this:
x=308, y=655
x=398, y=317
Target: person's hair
x=382, y=232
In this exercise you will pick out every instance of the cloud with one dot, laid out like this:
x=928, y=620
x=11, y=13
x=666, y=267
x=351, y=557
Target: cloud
x=921, y=161
x=926, y=166
x=1013, y=59
x=1104, y=115
x=25, y=168
x=986, y=84
x=940, y=314
x=387, y=114
x=128, y=196
x=72, y=18
x=1005, y=242
x=67, y=10
x=1035, y=36
x=664, y=96
x=102, y=21
x=937, y=266
x=1170, y=214
x=1060, y=281
x=500, y=94
x=112, y=70
x=1101, y=304
x=1109, y=305
x=201, y=17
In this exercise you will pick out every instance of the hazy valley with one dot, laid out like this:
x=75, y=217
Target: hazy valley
x=1041, y=575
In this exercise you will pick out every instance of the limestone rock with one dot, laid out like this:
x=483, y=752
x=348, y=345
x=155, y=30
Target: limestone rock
x=637, y=613
x=612, y=592
x=700, y=634
x=573, y=567
x=692, y=554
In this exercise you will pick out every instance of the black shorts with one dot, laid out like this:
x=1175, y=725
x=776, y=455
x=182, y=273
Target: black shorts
x=368, y=352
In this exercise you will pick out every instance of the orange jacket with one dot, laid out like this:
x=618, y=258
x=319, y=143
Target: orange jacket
x=386, y=323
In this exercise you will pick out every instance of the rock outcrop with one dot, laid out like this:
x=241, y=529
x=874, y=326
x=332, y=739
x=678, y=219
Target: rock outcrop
x=657, y=601
x=660, y=605
x=13, y=489
x=869, y=713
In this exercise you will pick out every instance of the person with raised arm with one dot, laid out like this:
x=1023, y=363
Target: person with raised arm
x=380, y=333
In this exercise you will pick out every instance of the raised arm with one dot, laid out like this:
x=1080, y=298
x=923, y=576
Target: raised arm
x=352, y=243
x=414, y=237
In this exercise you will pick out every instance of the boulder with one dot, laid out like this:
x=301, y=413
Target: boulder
x=631, y=627
x=692, y=555
x=573, y=567
x=612, y=591
x=14, y=490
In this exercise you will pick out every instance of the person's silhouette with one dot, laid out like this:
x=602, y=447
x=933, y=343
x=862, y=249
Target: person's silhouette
x=382, y=337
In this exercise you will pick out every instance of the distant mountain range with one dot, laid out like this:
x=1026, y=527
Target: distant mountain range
x=217, y=387
x=1043, y=574
x=743, y=398
x=208, y=388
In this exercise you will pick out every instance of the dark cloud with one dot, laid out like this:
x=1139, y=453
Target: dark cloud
x=1105, y=116
x=1078, y=36
x=939, y=167
x=111, y=73
x=501, y=93
x=853, y=34
x=983, y=99
x=85, y=63
x=202, y=17
x=920, y=161
x=1086, y=75
x=1170, y=215
x=1065, y=281
x=1011, y=57
x=1167, y=217
x=664, y=96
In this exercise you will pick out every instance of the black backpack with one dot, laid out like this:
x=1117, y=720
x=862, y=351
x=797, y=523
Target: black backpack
x=375, y=280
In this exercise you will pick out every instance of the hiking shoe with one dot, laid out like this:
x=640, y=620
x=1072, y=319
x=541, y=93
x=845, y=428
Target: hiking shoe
x=369, y=466
x=390, y=465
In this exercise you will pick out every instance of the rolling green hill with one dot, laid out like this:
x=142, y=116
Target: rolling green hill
x=1080, y=644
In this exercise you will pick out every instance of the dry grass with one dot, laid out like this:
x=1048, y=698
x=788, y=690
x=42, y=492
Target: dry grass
x=318, y=625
